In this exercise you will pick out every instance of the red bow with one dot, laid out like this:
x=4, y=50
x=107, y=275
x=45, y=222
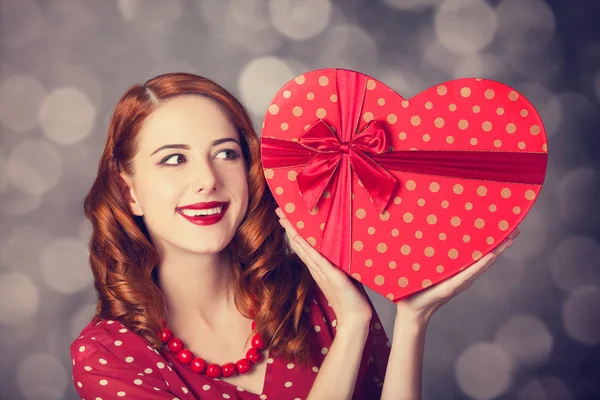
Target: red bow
x=316, y=175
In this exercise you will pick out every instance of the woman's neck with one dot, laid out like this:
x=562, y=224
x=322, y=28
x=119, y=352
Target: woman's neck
x=196, y=287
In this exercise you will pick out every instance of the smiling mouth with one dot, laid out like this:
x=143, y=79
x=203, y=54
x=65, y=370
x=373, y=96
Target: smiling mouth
x=207, y=212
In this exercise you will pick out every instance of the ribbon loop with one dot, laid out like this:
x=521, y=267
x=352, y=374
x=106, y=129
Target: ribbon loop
x=326, y=158
x=316, y=175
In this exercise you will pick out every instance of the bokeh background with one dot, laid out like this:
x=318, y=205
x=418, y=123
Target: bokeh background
x=529, y=329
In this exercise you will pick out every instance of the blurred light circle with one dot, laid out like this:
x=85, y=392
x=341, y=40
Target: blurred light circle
x=248, y=25
x=19, y=247
x=526, y=37
x=80, y=77
x=153, y=14
x=481, y=65
x=250, y=12
x=19, y=298
x=260, y=80
x=575, y=263
x=40, y=376
x=465, y=26
x=411, y=5
x=22, y=24
x=484, y=371
x=580, y=315
x=440, y=57
x=65, y=266
x=297, y=66
x=534, y=61
x=578, y=194
x=34, y=166
x=545, y=388
x=20, y=99
x=547, y=105
x=300, y=20
x=16, y=204
x=213, y=12
x=244, y=23
x=526, y=339
x=405, y=82
x=528, y=23
x=67, y=115
x=81, y=318
x=348, y=46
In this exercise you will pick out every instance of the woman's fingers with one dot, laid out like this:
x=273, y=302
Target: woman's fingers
x=459, y=282
x=485, y=262
x=279, y=213
x=310, y=251
x=300, y=250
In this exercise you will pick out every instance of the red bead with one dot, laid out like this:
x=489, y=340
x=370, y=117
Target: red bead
x=166, y=335
x=229, y=369
x=213, y=370
x=243, y=366
x=175, y=345
x=254, y=355
x=253, y=325
x=198, y=365
x=185, y=356
x=257, y=342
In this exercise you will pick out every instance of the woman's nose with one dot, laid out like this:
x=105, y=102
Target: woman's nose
x=205, y=178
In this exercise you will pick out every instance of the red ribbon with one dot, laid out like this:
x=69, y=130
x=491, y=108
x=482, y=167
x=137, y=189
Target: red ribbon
x=326, y=160
x=322, y=168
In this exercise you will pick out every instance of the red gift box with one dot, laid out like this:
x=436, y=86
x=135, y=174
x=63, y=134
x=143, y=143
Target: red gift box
x=402, y=194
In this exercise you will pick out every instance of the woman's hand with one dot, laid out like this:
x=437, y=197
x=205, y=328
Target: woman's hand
x=421, y=305
x=349, y=304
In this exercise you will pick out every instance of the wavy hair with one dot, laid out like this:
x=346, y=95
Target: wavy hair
x=271, y=285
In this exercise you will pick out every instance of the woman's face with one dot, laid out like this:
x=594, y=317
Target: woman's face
x=189, y=153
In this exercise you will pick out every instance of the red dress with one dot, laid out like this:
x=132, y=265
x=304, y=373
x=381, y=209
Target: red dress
x=111, y=362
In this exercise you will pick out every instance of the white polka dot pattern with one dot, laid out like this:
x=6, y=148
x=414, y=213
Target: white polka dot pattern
x=462, y=115
x=103, y=369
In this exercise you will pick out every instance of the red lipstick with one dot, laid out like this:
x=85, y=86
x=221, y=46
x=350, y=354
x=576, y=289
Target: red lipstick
x=206, y=219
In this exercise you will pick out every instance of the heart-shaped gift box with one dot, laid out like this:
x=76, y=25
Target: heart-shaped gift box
x=402, y=194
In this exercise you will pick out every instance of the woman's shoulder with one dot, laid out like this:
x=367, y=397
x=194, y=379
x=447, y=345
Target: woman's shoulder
x=111, y=361
x=105, y=339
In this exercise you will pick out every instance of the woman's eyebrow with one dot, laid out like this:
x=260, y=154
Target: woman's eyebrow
x=186, y=147
x=171, y=146
x=224, y=140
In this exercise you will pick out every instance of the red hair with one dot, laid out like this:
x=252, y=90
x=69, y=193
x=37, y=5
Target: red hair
x=123, y=259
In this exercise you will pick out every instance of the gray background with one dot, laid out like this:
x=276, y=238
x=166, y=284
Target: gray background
x=528, y=329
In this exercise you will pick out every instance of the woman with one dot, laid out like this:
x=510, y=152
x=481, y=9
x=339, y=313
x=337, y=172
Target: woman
x=199, y=296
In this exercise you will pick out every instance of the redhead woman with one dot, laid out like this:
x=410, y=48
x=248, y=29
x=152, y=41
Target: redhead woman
x=200, y=296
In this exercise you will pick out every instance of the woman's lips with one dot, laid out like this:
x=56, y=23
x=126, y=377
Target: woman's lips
x=205, y=220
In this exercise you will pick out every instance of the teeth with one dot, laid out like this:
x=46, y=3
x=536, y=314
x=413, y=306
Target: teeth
x=208, y=211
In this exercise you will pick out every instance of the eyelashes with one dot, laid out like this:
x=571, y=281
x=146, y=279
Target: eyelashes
x=233, y=156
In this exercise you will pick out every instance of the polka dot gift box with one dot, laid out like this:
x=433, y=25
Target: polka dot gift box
x=402, y=194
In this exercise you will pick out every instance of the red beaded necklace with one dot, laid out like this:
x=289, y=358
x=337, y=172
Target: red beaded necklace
x=200, y=366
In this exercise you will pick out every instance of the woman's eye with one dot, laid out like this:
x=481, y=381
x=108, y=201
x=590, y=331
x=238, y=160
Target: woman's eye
x=229, y=154
x=173, y=159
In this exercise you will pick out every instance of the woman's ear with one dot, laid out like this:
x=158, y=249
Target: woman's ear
x=134, y=204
